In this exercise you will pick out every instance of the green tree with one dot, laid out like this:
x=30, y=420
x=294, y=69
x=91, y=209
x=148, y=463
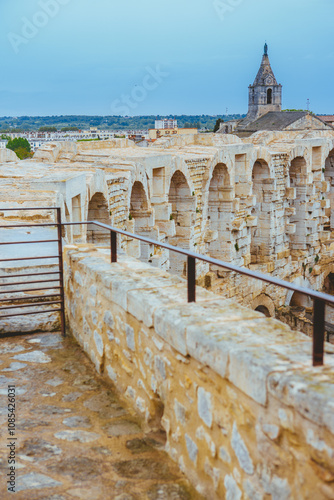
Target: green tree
x=217, y=126
x=22, y=153
x=21, y=147
x=19, y=142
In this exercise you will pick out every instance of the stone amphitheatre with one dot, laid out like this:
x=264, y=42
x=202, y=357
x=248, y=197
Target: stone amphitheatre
x=264, y=202
x=245, y=413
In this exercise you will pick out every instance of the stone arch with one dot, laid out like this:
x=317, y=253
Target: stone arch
x=264, y=303
x=220, y=208
x=300, y=300
x=294, y=296
x=183, y=215
x=179, y=168
x=98, y=210
x=298, y=202
x=328, y=286
x=140, y=222
x=261, y=240
x=138, y=200
x=263, y=310
x=329, y=177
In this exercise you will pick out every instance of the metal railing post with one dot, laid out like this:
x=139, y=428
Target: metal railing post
x=61, y=272
x=318, y=332
x=191, y=272
x=113, y=246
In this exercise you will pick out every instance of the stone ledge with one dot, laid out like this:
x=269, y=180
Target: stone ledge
x=239, y=344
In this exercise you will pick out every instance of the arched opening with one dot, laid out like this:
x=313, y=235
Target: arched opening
x=300, y=300
x=269, y=96
x=298, y=178
x=264, y=310
x=98, y=211
x=264, y=304
x=329, y=284
x=329, y=177
x=220, y=213
x=142, y=222
x=183, y=216
x=261, y=240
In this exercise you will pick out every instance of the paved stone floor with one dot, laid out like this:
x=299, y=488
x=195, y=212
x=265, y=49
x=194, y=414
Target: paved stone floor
x=76, y=439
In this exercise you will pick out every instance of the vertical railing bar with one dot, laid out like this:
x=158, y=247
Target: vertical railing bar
x=61, y=271
x=191, y=272
x=113, y=246
x=318, y=332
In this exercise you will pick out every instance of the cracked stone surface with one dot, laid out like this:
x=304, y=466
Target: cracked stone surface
x=13, y=367
x=55, y=382
x=34, y=481
x=123, y=428
x=83, y=422
x=80, y=440
x=34, y=356
x=82, y=436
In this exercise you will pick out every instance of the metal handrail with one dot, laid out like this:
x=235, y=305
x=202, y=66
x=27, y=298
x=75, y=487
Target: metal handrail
x=319, y=298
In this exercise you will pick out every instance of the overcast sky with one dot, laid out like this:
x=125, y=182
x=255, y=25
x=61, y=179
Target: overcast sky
x=161, y=57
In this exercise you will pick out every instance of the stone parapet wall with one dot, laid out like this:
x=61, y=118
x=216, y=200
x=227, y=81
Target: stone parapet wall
x=245, y=413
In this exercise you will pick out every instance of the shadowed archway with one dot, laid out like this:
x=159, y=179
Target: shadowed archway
x=140, y=222
x=98, y=210
x=220, y=211
x=183, y=215
x=261, y=240
x=298, y=178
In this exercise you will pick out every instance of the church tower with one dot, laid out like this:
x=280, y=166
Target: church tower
x=265, y=94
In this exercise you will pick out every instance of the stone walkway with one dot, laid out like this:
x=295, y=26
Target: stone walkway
x=76, y=439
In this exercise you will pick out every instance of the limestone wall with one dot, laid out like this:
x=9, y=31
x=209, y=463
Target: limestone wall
x=266, y=203
x=245, y=413
x=6, y=155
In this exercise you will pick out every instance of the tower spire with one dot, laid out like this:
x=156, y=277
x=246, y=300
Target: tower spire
x=265, y=94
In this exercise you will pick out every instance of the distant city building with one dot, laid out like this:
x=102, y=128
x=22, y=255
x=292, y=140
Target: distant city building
x=155, y=134
x=38, y=139
x=166, y=123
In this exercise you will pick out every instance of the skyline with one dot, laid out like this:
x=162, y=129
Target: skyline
x=65, y=57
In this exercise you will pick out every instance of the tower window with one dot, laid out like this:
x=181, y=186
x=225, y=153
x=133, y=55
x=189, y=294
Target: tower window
x=269, y=96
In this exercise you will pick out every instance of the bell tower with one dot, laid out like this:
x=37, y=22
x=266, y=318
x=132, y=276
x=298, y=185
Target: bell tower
x=265, y=94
